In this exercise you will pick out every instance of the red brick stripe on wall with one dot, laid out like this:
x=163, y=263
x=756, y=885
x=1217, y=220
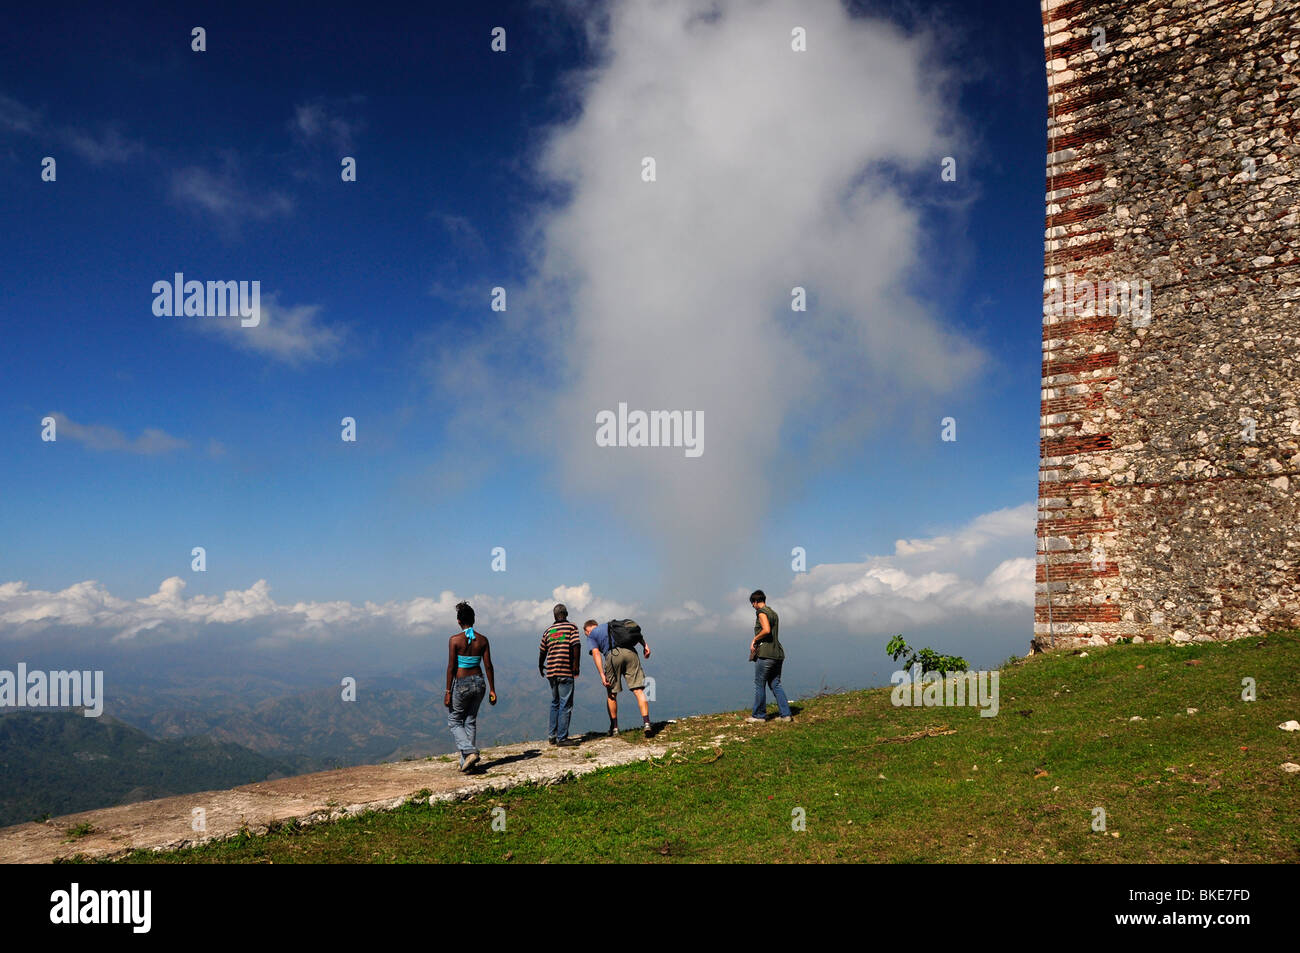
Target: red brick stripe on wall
x=1082, y=252
x=1100, y=325
x=1078, y=613
x=1068, y=446
x=1090, y=363
x=1064, y=11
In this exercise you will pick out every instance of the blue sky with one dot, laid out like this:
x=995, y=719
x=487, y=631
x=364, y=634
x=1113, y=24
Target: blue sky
x=479, y=169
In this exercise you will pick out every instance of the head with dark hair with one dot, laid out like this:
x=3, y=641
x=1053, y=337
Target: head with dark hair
x=758, y=595
x=464, y=614
x=561, y=612
x=589, y=625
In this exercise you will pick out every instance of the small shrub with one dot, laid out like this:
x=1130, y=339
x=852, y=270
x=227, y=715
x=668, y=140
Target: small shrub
x=931, y=661
x=80, y=830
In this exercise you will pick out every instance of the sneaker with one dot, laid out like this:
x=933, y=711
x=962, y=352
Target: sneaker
x=462, y=762
x=568, y=742
x=786, y=718
x=756, y=721
x=613, y=731
x=550, y=741
x=647, y=729
x=471, y=759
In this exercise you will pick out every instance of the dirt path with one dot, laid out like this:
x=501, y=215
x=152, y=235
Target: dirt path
x=169, y=822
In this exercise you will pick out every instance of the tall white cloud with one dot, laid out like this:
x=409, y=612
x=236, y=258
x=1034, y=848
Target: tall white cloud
x=775, y=169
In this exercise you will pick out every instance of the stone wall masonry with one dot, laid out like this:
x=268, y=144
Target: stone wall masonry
x=1170, y=437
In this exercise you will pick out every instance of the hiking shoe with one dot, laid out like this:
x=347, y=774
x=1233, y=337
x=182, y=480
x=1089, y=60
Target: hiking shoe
x=462, y=762
x=550, y=741
x=568, y=743
x=786, y=718
x=756, y=721
x=471, y=759
x=613, y=731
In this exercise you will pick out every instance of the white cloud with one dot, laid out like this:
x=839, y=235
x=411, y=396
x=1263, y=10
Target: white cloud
x=1012, y=581
x=291, y=335
x=224, y=196
x=465, y=237
x=97, y=147
x=108, y=146
x=878, y=595
x=170, y=615
x=910, y=547
x=775, y=169
x=151, y=440
x=15, y=117
x=322, y=120
x=946, y=578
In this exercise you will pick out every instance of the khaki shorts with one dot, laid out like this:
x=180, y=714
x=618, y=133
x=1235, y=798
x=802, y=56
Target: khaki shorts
x=625, y=663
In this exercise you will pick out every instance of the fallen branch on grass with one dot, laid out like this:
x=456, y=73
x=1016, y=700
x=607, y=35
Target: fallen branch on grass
x=923, y=733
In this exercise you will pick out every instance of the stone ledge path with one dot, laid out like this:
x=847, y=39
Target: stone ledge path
x=166, y=823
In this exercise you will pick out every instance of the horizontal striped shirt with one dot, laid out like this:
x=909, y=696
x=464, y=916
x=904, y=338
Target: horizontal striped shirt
x=558, y=645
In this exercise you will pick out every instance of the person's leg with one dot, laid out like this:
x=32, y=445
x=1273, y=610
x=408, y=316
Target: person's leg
x=456, y=719
x=473, y=698
x=760, y=689
x=564, y=689
x=611, y=694
x=553, y=722
x=629, y=664
x=774, y=679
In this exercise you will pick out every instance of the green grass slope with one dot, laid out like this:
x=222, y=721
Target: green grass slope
x=1019, y=787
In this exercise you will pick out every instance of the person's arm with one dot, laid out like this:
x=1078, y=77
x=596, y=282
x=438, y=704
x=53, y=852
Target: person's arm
x=765, y=629
x=600, y=666
x=645, y=647
x=487, y=670
x=541, y=657
x=575, y=658
x=451, y=669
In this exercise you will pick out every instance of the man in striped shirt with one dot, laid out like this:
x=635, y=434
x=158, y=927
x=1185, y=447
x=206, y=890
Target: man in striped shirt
x=557, y=661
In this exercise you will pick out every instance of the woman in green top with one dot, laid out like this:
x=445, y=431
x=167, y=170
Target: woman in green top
x=768, y=656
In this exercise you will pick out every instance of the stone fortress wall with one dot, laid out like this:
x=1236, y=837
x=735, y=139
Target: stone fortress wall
x=1170, y=440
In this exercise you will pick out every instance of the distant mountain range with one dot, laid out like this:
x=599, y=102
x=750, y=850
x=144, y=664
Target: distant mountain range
x=314, y=730
x=175, y=731
x=394, y=716
x=60, y=762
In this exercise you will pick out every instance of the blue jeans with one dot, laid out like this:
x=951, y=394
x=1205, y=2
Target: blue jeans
x=466, y=695
x=561, y=707
x=767, y=671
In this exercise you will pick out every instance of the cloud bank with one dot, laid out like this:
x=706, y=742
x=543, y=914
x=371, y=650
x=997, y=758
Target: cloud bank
x=972, y=574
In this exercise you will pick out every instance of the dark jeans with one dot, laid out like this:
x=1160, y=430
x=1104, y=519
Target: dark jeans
x=767, y=671
x=561, y=707
x=466, y=695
